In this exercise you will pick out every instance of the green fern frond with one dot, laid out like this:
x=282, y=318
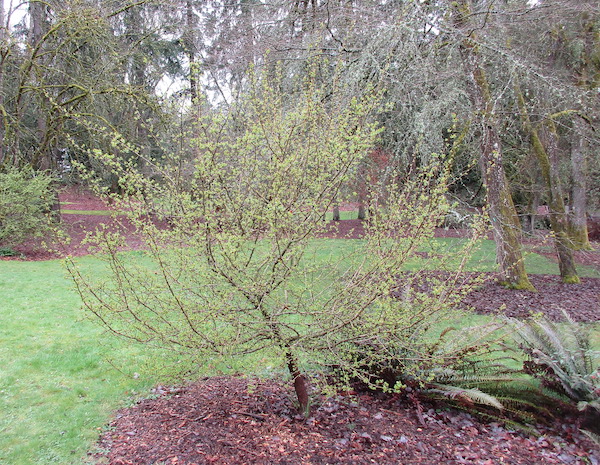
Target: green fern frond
x=490, y=382
x=595, y=438
x=517, y=425
x=517, y=404
x=544, y=338
x=561, y=356
x=581, y=336
x=469, y=394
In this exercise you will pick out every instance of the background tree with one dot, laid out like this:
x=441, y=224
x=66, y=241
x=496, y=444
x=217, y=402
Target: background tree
x=503, y=216
x=25, y=201
x=102, y=67
x=563, y=78
x=547, y=163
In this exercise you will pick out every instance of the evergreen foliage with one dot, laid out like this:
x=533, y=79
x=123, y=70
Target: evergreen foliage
x=26, y=199
x=561, y=357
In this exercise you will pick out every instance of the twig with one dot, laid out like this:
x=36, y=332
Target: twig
x=252, y=415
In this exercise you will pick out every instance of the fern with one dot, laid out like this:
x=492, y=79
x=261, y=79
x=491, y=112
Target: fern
x=515, y=418
x=561, y=357
x=595, y=438
x=470, y=395
x=472, y=369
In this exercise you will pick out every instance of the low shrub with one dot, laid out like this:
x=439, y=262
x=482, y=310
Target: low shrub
x=8, y=252
x=469, y=368
x=26, y=200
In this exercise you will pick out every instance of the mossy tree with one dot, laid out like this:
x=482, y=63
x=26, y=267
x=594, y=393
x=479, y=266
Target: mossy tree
x=503, y=216
x=551, y=177
x=578, y=230
x=585, y=62
x=556, y=60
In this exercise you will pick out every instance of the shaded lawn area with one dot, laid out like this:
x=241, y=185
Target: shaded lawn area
x=61, y=376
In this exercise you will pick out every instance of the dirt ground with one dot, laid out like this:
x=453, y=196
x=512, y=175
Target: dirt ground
x=232, y=420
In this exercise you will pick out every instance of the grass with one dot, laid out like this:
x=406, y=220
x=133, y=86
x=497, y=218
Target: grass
x=56, y=387
x=483, y=258
x=344, y=215
x=61, y=377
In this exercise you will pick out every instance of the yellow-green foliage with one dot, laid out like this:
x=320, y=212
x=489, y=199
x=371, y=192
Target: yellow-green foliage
x=236, y=271
x=25, y=201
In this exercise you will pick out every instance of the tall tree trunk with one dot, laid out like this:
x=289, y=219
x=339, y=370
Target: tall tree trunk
x=363, y=199
x=559, y=219
x=362, y=211
x=38, y=27
x=578, y=231
x=503, y=215
x=189, y=40
x=336, y=212
x=4, y=53
x=548, y=165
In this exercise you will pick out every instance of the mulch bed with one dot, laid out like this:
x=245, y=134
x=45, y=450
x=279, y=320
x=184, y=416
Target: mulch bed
x=580, y=301
x=246, y=421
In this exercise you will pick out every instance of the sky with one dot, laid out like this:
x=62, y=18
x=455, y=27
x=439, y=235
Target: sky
x=16, y=9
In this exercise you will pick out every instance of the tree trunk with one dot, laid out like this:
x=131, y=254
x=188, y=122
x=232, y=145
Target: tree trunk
x=55, y=207
x=336, y=212
x=300, y=384
x=41, y=159
x=503, y=215
x=191, y=24
x=362, y=211
x=3, y=49
x=578, y=231
x=548, y=166
x=362, y=202
x=506, y=227
x=559, y=220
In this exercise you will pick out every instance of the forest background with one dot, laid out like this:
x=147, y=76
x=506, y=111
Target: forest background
x=507, y=89
x=241, y=124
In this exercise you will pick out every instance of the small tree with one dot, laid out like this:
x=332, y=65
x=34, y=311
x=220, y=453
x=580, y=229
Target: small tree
x=240, y=268
x=26, y=199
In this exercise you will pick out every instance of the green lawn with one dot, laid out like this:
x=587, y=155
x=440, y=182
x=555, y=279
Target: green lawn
x=61, y=376
x=56, y=386
x=344, y=215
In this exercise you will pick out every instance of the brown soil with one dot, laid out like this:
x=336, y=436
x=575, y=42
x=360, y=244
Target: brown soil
x=242, y=421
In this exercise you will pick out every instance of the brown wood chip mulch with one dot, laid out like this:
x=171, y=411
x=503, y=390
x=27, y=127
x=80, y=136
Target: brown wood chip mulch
x=248, y=421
